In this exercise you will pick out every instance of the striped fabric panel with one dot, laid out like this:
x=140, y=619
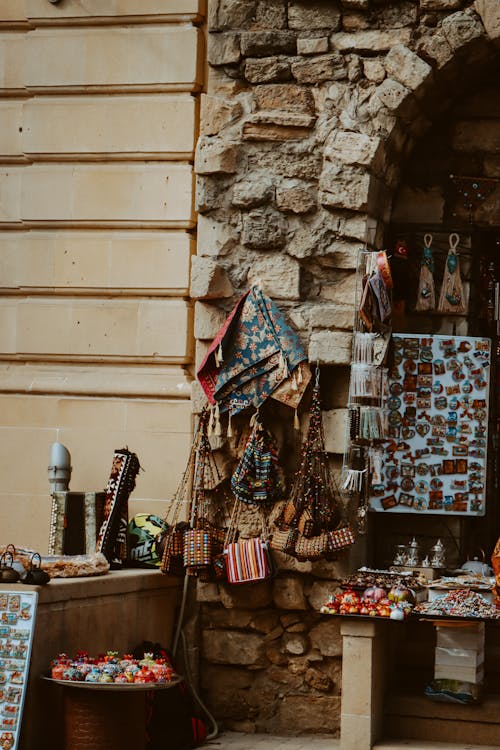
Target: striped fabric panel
x=247, y=561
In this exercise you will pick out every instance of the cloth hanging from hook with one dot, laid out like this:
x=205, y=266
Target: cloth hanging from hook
x=254, y=352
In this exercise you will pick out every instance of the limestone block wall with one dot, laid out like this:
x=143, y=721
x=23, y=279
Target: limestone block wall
x=98, y=123
x=312, y=111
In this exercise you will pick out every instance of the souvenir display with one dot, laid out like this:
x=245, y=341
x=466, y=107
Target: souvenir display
x=435, y=454
x=75, y=520
x=461, y=603
x=314, y=507
x=452, y=298
x=426, y=294
x=112, y=669
x=112, y=537
x=253, y=354
x=17, y=620
x=193, y=546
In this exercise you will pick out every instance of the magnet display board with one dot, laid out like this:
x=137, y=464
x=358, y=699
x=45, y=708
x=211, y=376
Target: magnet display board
x=17, y=624
x=437, y=411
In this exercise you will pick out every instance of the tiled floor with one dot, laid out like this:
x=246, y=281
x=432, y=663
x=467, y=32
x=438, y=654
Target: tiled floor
x=239, y=741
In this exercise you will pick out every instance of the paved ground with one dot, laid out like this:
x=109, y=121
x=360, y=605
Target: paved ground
x=239, y=741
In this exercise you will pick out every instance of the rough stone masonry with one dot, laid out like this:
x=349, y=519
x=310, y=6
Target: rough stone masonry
x=312, y=107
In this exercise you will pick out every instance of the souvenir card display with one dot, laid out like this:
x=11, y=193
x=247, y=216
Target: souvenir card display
x=437, y=435
x=17, y=619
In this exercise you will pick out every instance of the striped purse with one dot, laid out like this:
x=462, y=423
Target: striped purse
x=248, y=560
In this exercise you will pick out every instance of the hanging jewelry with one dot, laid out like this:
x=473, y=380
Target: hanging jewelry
x=451, y=299
x=426, y=295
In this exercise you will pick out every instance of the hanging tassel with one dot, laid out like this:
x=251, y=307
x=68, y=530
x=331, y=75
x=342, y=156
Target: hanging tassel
x=219, y=358
x=211, y=421
x=295, y=387
x=218, y=429
x=300, y=377
x=451, y=299
x=229, y=426
x=296, y=421
x=426, y=294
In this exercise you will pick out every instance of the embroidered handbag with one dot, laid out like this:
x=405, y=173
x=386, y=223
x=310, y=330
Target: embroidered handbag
x=247, y=561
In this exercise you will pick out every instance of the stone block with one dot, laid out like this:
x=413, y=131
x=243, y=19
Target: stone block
x=278, y=274
x=321, y=68
x=349, y=189
x=288, y=593
x=215, y=238
x=102, y=194
x=461, y=28
x=310, y=713
x=112, y=260
x=118, y=10
x=295, y=643
x=94, y=125
x=391, y=94
x=266, y=43
x=216, y=156
x=262, y=131
x=12, y=63
x=319, y=593
x=231, y=14
x=270, y=14
x=318, y=14
x=223, y=49
x=134, y=56
x=254, y=192
x=312, y=45
x=335, y=426
x=198, y=398
x=332, y=316
x=405, y=66
x=208, y=319
x=489, y=12
x=11, y=122
x=288, y=97
x=330, y=348
x=267, y=70
x=232, y=647
x=370, y=40
x=208, y=593
x=341, y=291
x=264, y=229
x=208, y=280
x=374, y=69
x=435, y=47
x=217, y=113
x=440, y=5
x=295, y=200
x=101, y=328
x=210, y=192
x=256, y=596
x=351, y=148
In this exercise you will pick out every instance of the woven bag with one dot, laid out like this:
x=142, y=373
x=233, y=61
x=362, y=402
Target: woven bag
x=247, y=561
x=283, y=541
x=314, y=548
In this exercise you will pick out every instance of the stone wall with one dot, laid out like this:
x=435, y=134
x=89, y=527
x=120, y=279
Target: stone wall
x=312, y=112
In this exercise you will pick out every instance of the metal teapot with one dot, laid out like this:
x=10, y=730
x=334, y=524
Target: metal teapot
x=477, y=566
x=8, y=574
x=35, y=576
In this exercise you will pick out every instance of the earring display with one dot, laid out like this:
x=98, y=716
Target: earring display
x=437, y=424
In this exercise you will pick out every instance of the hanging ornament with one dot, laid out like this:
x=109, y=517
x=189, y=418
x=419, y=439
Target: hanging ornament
x=452, y=299
x=426, y=294
x=473, y=191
